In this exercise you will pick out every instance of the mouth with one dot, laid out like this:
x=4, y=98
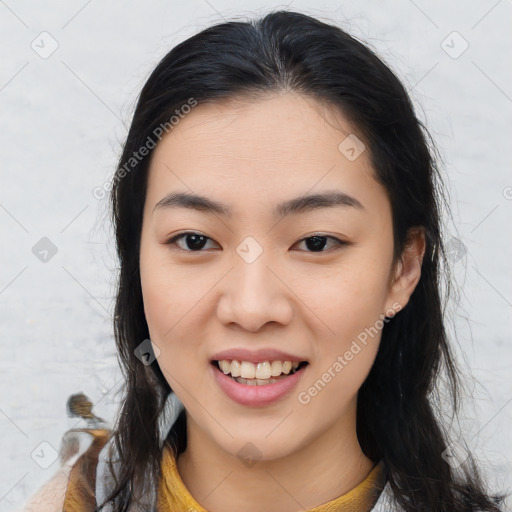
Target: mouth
x=258, y=374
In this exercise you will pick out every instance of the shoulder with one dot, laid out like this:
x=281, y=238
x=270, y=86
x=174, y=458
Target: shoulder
x=73, y=484
x=385, y=503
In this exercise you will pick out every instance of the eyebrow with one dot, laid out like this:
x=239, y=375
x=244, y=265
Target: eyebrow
x=302, y=204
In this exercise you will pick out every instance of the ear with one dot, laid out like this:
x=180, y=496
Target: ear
x=407, y=271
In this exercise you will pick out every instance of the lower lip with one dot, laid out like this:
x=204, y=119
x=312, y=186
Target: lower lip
x=256, y=396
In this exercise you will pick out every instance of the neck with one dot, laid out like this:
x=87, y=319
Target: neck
x=316, y=473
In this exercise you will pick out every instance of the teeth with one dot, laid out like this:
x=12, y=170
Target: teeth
x=247, y=371
x=225, y=366
x=235, y=369
x=276, y=368
x=263, y=371
x=255, y=382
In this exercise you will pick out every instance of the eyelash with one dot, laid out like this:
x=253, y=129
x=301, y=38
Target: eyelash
x=173, y=240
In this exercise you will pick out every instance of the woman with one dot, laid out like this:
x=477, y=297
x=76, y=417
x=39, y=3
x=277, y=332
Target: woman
x=277, y=215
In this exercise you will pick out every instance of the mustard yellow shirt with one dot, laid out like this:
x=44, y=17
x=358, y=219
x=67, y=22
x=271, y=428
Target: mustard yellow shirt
x=173, y=496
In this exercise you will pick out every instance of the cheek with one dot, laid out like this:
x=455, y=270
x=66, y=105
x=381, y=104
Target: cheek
x=167, y=291
x=163, y=302
x=343, y=357
x=173, y=299
x=159, y=302
x=168, y=312
x=348, y=298
x=349, y=306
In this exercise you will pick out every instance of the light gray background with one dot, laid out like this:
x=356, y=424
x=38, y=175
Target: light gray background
x=64, y=116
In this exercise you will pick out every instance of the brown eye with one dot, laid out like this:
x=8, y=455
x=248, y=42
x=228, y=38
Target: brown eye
x=317, y=243
x=194, y=242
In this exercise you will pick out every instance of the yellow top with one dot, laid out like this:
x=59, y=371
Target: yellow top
x=173, y=496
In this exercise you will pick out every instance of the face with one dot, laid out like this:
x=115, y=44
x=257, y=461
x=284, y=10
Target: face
x=309, y=281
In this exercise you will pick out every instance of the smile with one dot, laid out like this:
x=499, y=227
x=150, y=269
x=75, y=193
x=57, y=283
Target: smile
x=258, y=374
x=257, y=384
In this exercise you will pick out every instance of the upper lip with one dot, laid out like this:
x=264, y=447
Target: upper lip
x=256, y=356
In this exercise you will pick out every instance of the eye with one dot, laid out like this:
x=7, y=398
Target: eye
x=194, y=242
x=316, y=243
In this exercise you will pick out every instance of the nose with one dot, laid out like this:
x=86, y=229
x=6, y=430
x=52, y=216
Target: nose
x=254, y=294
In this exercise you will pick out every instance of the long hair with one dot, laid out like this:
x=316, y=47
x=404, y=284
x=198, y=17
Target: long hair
x=398, y=416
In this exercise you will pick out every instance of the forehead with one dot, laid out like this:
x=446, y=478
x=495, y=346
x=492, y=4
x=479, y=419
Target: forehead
x=261, y=150
x=271, y=127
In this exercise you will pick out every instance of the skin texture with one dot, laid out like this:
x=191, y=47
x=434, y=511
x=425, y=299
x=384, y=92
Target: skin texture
x=310, y=302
